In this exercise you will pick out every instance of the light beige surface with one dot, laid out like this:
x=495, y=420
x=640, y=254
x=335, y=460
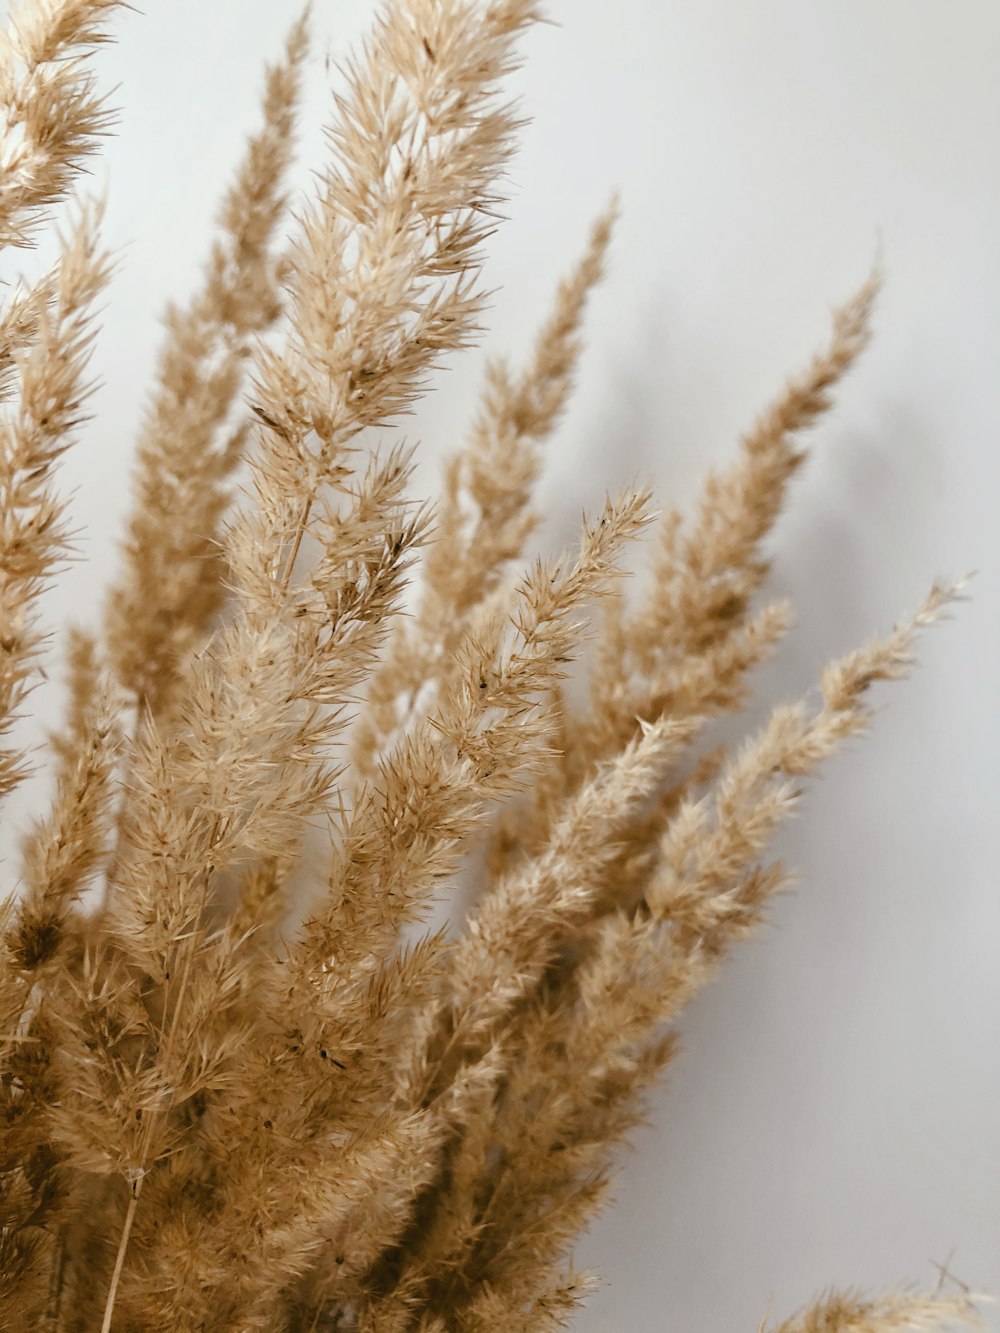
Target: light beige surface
x=834, y=1116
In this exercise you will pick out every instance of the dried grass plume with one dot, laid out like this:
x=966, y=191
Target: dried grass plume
x=242, y=1089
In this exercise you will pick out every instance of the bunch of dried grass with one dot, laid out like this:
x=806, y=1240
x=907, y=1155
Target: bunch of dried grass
x=237, y=1097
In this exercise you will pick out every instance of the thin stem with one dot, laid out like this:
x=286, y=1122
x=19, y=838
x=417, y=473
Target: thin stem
x=217, y=831
x=109, y=1307
x=300, y=532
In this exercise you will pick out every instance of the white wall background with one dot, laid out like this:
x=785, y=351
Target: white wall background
x=835, y=1114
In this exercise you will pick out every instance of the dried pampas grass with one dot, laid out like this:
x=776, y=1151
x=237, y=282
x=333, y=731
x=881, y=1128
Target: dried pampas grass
x=241, y=1089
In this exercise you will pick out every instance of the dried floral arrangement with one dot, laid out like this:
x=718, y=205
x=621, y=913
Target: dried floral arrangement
x=241, y=1090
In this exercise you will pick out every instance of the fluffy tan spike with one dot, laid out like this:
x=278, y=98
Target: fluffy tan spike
x=246, y=1093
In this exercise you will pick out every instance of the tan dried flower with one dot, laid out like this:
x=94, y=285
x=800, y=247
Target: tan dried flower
x=242, y=1094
